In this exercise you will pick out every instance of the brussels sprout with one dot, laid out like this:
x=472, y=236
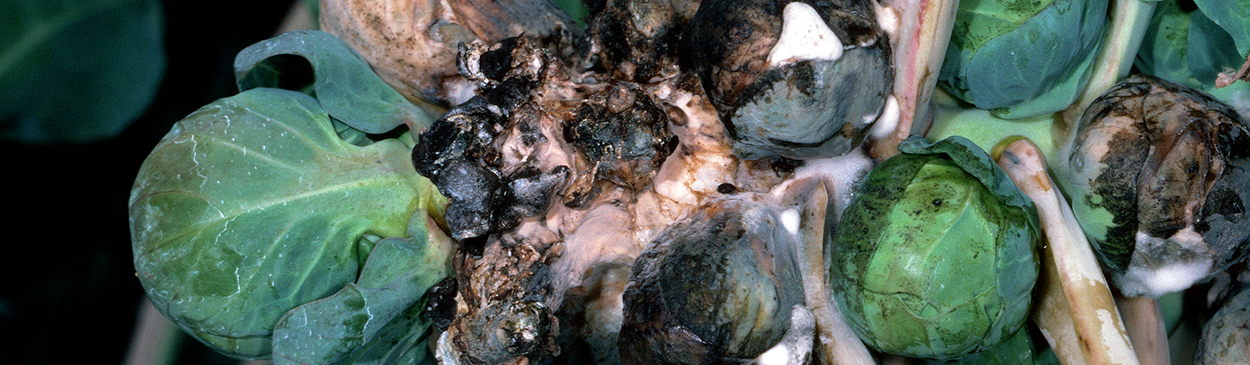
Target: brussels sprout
x=716, y=287
x=253, y=205
x=1160, y=179
x=936, y=256
x=806, y=80
x=638, y=38
x=412, y=44
x=1226, y=338
x=1023, y=58
x=1015, y=350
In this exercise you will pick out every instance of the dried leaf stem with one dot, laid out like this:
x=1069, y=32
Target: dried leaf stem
x=1144, y=320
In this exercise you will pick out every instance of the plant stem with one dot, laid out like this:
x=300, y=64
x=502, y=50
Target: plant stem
x=921, y=32
x=838, y=343
x=156, y=339
x=1129, y=20
x=1144, y=321
x=1071, y=276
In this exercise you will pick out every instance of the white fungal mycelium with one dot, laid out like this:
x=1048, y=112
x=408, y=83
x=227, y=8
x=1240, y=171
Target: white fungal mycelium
x=804, y=36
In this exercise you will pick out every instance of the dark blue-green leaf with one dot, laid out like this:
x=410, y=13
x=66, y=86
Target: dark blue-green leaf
x=77, y=70
x=1163, y=51
x=1233, y=16
x=1210, y=50
x=332, y=72
x=377, y=316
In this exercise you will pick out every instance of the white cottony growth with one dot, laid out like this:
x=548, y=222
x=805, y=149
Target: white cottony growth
x=888, y=121
x=804, y=36
x=796, y=344
x=778, y=355
x=1156, y=276
x=790, y=220
x=840, y=173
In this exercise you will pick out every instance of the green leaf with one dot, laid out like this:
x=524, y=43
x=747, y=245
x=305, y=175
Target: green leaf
x=341, y=80
x=75, y=71
x=367, y=318
x=1015, y=350
x=1233, y=16
x=1067, y=86
x=1165, y=45
x=975, y=162
x=1210, y=50
x=253, y=205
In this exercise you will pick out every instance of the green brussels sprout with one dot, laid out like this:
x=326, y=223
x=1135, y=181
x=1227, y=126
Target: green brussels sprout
x=1160, y=175
x=269, y=224
x=253, y=206
x=1015, y=350
x=801, y=79
x=1023, y=58
x=937, y=255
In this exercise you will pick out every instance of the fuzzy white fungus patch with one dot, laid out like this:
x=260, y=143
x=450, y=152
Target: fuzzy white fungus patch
x=796, y=344
x=804, y=36
x=778, y=355
x=790, y=220
x=840, y=173
x=1155, y=276
x=888, y=121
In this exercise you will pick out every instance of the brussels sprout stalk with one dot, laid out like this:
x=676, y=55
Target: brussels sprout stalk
x=1143, y=318
x=1129, y=20
x=919, y=33
x=838, y=343
x=1091, y=330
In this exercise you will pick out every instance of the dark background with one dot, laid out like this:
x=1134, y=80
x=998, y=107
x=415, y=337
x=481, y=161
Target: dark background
x=69, y=293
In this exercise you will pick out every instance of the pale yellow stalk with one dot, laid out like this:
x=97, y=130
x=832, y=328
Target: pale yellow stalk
x=1071, y=274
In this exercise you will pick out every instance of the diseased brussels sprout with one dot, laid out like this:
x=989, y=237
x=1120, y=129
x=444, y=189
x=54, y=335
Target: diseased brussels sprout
x=1023, y=58
x=717, y=287
x=1160, y=179
x=1226, y=338
x=799, y=79
x=638, y=38
x=936, y=256
x=412, y=43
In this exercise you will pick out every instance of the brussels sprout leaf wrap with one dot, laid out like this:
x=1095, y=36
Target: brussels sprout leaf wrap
x=341, y=80
x=378, y=319
x=936, y=257
x=253, y=205
x=1022, y=58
